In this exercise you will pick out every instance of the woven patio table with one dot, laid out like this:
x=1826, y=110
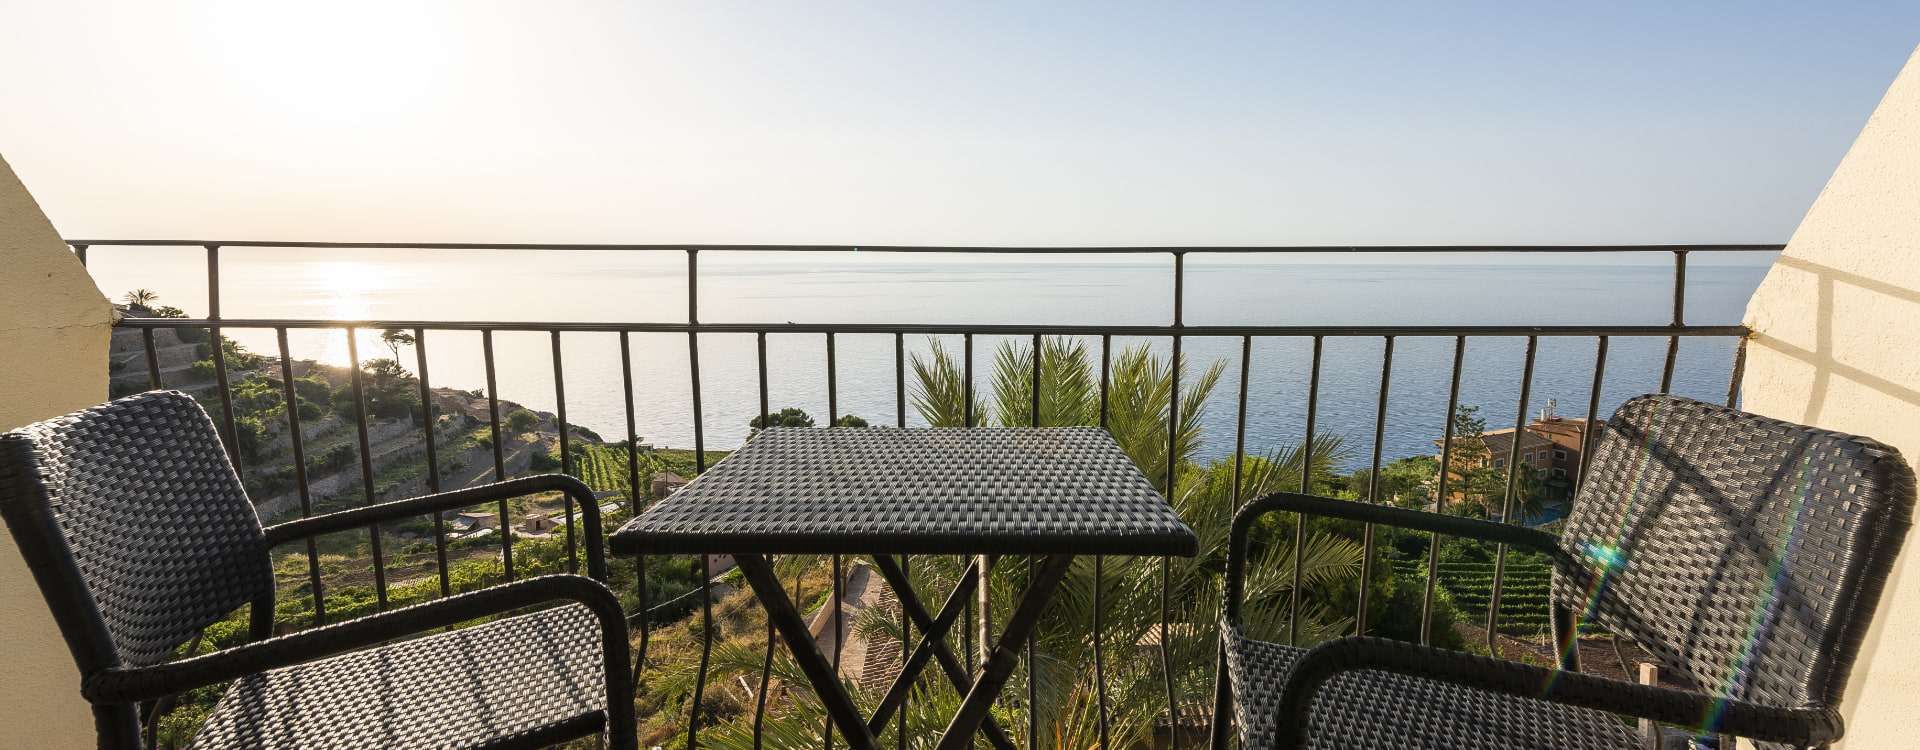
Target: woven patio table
x=1051, y=492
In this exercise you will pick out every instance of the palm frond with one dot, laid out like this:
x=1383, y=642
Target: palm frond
x=940, y=388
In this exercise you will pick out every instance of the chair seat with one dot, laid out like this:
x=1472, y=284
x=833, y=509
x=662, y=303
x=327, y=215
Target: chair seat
x=519, y=681
x=1385, y=711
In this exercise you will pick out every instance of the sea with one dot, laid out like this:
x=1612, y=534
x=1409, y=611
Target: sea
x=890, y=288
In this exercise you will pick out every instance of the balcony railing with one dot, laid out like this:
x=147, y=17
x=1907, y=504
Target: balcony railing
x=1183, y=706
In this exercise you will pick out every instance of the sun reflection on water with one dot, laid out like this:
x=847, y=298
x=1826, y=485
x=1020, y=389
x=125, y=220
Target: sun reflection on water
x=347, y=290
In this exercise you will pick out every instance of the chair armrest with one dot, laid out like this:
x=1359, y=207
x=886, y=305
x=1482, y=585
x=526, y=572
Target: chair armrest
x=1811, y=725
x=356, y=518
x=128, y=685
x=1314, y=505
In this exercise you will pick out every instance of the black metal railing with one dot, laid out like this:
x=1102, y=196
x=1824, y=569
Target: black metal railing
x=1174, y=333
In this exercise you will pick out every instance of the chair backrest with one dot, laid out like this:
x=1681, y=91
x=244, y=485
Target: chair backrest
x=1744, y=552
x=136, y=500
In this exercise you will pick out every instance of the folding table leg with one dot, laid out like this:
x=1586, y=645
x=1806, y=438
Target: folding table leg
x=826, y=682
x=933, y=644
x=1006, y=654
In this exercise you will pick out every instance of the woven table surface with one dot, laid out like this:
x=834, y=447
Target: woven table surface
x=1042, y=490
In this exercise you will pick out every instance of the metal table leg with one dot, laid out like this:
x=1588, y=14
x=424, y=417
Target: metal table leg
x=932, y=645
x=826, y=682
x=1006, y=654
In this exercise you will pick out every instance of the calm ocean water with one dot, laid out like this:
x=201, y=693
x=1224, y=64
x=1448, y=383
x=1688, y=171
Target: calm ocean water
x=587, y=286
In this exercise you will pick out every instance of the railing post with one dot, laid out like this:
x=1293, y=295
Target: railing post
x=1679, y=318
x=357, y=378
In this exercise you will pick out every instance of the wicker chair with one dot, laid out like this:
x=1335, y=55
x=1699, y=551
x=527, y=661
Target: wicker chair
x=139, y=534
x=1745, y=553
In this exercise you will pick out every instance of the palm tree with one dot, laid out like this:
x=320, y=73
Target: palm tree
x=141, y=298
x=1069, y=391
x=941, y=397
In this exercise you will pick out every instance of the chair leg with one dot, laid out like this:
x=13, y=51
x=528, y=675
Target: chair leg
x=1566, y=638
x=1222, y=699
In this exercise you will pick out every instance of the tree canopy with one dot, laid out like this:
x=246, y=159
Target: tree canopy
x=787, y=417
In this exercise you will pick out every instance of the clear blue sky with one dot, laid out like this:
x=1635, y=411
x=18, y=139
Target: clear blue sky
x=955, y=123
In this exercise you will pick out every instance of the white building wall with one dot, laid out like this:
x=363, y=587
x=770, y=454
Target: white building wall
x=54, y=333
x=1836, y=344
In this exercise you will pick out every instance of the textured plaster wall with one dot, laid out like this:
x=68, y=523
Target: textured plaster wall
x=54, y=331
x=1835, y=325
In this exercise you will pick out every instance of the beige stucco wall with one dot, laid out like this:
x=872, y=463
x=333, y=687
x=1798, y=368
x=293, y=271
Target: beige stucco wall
x=54, y=331
x=1835, y=324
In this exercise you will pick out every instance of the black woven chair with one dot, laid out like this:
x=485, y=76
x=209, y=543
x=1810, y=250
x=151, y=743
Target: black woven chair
x=139, y=534
x=1745, y=553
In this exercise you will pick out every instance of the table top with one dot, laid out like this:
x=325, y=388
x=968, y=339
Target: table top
x=1041, y=490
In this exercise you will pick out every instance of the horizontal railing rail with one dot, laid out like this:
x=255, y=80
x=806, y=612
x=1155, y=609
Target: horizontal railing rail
x=1181, y=716
x=1201, y=331
x=1026, y=249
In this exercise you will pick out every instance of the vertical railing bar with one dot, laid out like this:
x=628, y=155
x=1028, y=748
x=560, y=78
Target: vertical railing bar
x=292, y=403
x=153, y=358
x=979, y=611
x=366, y=463
x=1099, y=561
x=906, y=642
x=1373, y=483
x=839, y=600
x=1179, y=288
x=1106, y=374
x=1679, y=318
x=1593, y=409
x=1739, y=373
x=1306, y=487
x=693, y=360
x=699, y=431
x=1512, y=494
x=213, y=282
x=80, y=251
x=799, y=592
x=839, y=627
x=499, y=445
x=640, y=609
x=1099, y=649
x=1679, y=287
x=900, y=389
x=1240, y=419
x=433, y=458
x=1166, y=650
x=766, y=662
x=833, y=391
x=1440, y=492
x=826, y=732
x=760, y=339
x=566, y=452
x=966, y=381
x=706, y=653
x=1033, y=418
x=1033, y=665
x=766, y=681
x=230, y=434
x=1166, y=563
x=633, y=432
x=967, y=626
x=700, y=466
